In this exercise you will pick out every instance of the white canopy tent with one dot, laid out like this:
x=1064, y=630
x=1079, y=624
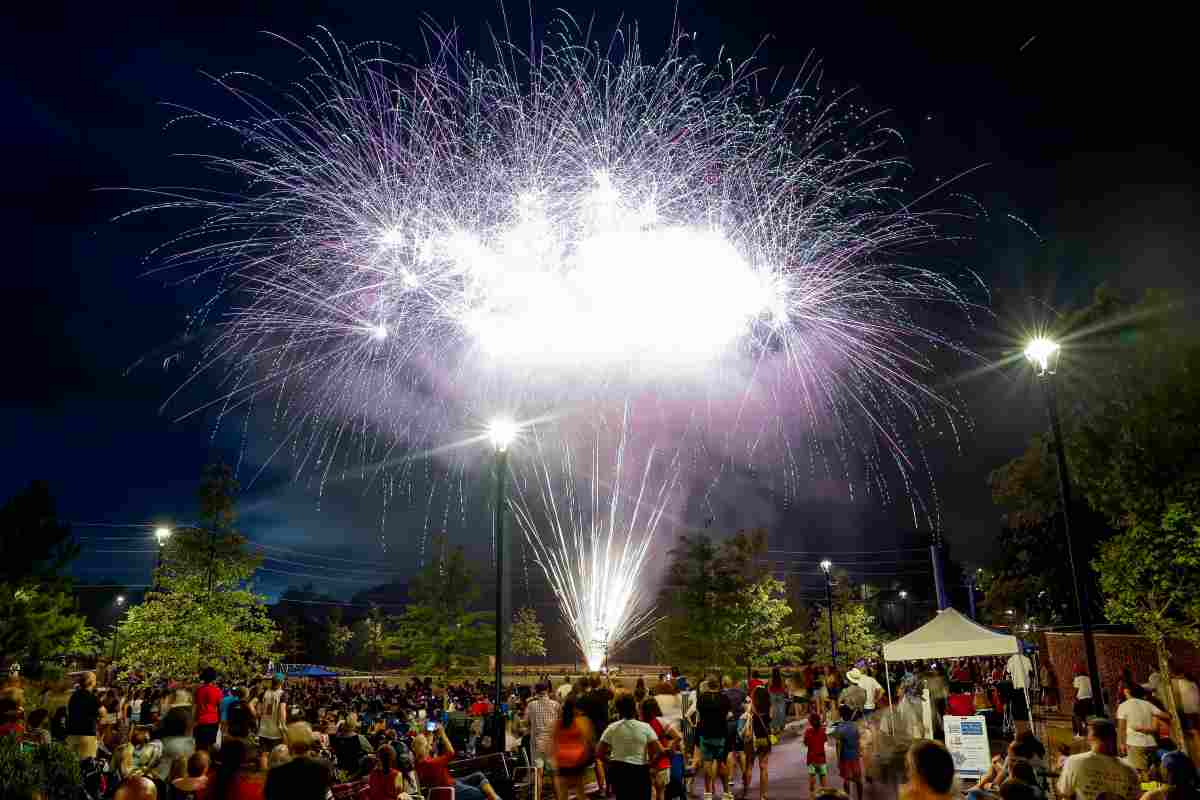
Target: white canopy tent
x=951, y=635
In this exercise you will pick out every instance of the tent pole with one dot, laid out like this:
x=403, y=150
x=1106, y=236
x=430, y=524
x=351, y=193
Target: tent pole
x=887, y=677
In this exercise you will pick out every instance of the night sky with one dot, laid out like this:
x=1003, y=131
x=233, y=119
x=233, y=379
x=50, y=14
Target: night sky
x=1077, y=138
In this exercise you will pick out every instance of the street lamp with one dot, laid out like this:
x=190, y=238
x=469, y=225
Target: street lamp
x=827, y=567
x=904, y=597
x=161, y=534
x=116, y=628
x=1043, y=354
x=501, y=433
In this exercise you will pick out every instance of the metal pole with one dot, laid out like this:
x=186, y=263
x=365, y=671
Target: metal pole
x=971, y=596
x=832, y=640
x=1064, y=491
x=501, y=469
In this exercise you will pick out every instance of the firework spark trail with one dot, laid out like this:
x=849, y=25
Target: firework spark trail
x=592, y=535
x=401, y=250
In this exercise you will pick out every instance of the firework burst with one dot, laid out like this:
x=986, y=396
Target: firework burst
x=401, y=249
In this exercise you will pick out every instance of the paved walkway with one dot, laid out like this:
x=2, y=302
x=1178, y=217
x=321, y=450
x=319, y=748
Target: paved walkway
x=788, y=776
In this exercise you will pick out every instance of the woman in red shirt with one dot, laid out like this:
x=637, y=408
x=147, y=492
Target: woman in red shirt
x=385, y=781
x=660, y=770
x=239, y=776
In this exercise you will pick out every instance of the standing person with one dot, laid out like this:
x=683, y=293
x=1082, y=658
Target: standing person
x=1082, y=708
x=305, y=776
x=572, y=748
x=640, y=692
x=758, y=739
x=272, y=716
x=1019, y=670
x=208, y=710
x=83, y=717
x=541, y=715
x=814, y=744
x=1097, y=772
x=627, y=745
x=930, y=773
x=594, y=702
x=668, y=739
x=779, y=700
x=872, y=691
x=177, y=742
x=845, y=733
x=1187, y=696
x=1137, y=730
x=713, y=707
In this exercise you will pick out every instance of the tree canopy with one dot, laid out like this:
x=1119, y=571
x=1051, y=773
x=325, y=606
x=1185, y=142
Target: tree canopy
x=526, y=637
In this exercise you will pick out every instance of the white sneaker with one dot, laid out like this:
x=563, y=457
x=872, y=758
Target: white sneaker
x=708, y=796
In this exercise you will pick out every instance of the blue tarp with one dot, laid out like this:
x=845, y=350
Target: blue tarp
x=310, y=672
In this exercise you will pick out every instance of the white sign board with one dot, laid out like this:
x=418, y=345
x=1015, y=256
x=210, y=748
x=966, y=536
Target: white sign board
x=967, y=741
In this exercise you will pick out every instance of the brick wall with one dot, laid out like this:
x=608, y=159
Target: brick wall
x=1114, y=652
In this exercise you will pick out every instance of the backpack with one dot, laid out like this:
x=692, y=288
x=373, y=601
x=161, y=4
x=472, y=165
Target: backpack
x=572, y=752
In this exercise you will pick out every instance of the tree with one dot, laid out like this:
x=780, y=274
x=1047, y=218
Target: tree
x=206, y=611
x=37, y=614
x=437, y=631
x=374, y=637
x=290, y=644
x=526, y=635
x=337, y=636
x=36, y=623
x=721, y=608
x=34, y=545
x=1149, y=574
x=854, y=625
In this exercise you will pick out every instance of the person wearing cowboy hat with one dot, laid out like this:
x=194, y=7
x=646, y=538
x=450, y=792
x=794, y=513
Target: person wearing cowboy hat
x=863, y=680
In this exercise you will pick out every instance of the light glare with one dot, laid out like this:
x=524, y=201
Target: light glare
x=502, y=432
x=1040, y=352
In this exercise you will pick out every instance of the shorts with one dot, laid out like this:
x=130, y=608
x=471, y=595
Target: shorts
x=661, y=777
x=820, y=770
x=713, y=748
x=1020, y=710
x=851, y=770
x=205, y=735
x=834, y=692
x=1139, y=757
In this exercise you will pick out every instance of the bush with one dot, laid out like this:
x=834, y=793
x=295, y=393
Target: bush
x=50, y=771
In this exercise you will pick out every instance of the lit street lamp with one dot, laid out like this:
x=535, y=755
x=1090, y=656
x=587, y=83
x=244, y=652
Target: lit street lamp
x=904, y=597
x=1043, y=354
x=116, y=629
x=501, y=432
x=161, y=534
x=826, y=567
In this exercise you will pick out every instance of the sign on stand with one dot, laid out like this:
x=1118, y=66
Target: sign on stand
x=967, y=741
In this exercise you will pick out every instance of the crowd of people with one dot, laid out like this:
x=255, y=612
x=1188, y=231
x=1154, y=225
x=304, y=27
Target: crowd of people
x=584, y=738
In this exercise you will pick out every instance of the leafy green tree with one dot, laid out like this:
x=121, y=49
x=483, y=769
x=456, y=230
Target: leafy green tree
x=337, y=637
x=1149, y=574
x=36, y=623
x=438, y=631
x=290, y=643
x=527, y=640
x=38, y=618
x=720, y=607
x=854, y=626
x=87, y=642
x=206, y=611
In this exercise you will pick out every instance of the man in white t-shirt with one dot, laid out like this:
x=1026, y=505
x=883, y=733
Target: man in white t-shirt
x=870, y=687
x=1082, y=708
x=627, y=746
x=1137, y=733
x=1088, y=775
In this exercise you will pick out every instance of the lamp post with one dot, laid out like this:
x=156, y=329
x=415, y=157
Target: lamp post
x=1043, y=354
x=501, y=432
x=827, y=567
x=904, y=597
x=116, y=629
x=161, y=534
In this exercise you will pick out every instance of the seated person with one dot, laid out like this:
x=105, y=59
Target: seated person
x=434, y=771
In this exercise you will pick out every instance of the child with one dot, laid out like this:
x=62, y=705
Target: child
x=849, y=755
x=814, y=740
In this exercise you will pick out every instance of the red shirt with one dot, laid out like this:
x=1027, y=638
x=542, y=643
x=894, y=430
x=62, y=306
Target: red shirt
x=754, y=684
x=435, y=771
x=480, y=708
x=208, y=704
x=814, y=740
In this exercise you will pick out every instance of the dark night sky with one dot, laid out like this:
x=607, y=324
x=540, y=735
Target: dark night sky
x=1083, y=130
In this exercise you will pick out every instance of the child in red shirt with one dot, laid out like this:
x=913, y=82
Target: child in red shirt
x=814, y=740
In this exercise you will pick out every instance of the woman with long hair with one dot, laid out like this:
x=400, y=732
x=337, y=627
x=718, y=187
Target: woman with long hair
x=668, y=738
x=573, y=748
x=639, y=691
x=385, y=781
x=758, y=740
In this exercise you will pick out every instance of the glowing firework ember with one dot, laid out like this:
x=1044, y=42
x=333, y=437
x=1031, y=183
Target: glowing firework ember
x=592, y=534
